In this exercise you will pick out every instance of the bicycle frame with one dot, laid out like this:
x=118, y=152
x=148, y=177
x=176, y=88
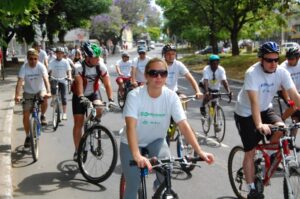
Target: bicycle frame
x=35, y=114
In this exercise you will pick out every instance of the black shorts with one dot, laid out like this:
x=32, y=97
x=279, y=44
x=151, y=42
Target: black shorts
x=247, y=129
x=78, y=108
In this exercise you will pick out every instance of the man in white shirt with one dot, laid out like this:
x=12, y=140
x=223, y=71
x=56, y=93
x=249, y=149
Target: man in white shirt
x=138, y=67
x=253, y=111
x=177, y=69
x=43, y=57
x=60, y=69
x=213, y=76
x=123, y=68
x=35, y=78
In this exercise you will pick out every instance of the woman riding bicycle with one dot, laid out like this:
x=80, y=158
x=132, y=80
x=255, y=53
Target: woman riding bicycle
x=213, y=76
x=253, y=112
x=147, y=114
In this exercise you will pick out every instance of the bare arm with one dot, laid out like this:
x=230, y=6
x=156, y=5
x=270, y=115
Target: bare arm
x=79, y=85
x=194, y=84
x=190, y=136
x=118, y=70
x=18, y=89
x=47, y=84
x=108, y=87
x=226, y=86
x=294, y=95
x=133, y=74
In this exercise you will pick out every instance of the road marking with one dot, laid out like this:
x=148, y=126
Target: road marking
x=211, y=140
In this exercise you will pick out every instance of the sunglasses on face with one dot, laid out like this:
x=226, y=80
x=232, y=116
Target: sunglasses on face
x=142, y=53
x=270, y=60
x=155, y=73
x=33, y=58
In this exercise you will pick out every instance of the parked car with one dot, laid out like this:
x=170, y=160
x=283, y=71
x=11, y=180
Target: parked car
x=288, y=45
x=142, y=43
x=207, y=50
x=152, y=45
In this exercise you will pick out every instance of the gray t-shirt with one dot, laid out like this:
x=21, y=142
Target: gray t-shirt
x=152, y=114
x=33, y=77
x=140, y=68
x=59, y=68
x=175, y=70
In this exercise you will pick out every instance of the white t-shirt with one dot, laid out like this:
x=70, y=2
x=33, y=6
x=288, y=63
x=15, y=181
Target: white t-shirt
x=175, y=70
x=220, y=75
x=33, y=77
x=294, y=71
x=91, y=74
x=152, y=114
x=125, y=67
x=59, y=68
x=43, y=56
x=140, y=68
x=265, y=84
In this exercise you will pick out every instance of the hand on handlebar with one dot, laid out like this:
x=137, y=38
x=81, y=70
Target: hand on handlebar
x=207, y=157
x=84, y=100
x=264, y=129
x=230, y=96
x=143, y=162
x=17, y=99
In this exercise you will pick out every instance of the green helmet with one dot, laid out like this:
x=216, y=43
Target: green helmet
x=91, y=49
x=214, y=57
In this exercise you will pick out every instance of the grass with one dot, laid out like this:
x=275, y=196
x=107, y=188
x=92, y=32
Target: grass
x=235, y=66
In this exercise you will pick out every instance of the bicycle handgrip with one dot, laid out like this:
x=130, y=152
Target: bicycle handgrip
x=194, y=159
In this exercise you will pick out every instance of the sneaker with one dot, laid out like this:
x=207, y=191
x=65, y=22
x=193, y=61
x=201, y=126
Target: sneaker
x=64, y=116
x=75, y=156
x=203, y=112
x=27, y=142
x=43, y=120
x=253, y=194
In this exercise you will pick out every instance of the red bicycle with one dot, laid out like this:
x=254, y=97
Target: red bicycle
x=265, y=165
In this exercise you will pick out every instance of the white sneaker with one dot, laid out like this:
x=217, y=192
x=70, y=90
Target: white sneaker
x=64, y=117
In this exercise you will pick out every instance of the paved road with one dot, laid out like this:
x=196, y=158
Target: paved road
x=55, y=175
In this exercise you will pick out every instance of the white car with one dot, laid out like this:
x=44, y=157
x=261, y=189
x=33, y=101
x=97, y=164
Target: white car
x=288, y=45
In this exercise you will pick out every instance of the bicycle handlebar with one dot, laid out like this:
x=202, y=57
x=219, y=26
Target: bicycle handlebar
x=161, y=162
x=58, y=79
x=219, y=95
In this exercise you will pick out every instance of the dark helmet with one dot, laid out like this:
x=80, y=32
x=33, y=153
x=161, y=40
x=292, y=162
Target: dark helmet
x=268, y=47
x=59, y=49
x=167, y=48
x=91, y=49
x=292, y=52
x=125, y=55
x=214, y=57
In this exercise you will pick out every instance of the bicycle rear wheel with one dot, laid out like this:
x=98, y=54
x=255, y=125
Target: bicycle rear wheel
x=292, y=181
x=34, y=141
x=121, y=99
x=236, y=172
x=184, y=149
x=55, y=115
x=219, y=124
x=97, y=154
x=206, y=121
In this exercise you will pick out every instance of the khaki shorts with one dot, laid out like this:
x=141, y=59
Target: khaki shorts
x=27, y=104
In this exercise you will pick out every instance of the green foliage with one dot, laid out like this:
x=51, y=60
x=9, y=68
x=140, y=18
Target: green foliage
x=154, y=33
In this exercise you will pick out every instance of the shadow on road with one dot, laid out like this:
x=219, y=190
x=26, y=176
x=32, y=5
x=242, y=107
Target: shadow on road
x=43, y=183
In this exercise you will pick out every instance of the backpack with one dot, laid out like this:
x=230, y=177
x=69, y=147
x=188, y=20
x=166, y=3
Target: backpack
x=84, y=79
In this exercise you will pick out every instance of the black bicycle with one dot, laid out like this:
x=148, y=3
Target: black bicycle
x=98, y=151
x=123, y=94
x=164, y=167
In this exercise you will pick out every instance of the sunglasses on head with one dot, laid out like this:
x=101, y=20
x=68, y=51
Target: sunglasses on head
x=270, y=60
x=155, y=73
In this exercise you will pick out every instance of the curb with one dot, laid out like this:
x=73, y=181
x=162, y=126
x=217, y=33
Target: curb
x=6, y=188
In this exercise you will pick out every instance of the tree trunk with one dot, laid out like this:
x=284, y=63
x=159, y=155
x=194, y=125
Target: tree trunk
x=214, y=43
x=234, y=43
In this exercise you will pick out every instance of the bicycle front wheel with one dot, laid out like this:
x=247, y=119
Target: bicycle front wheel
x=291, y=183
x=55, y=115
x=184, y=149
x=206, y=121
x=97, y=154
x=219, y=124
x=34, y=141
x=236, y=172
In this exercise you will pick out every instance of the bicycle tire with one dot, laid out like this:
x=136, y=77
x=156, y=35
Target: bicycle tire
x=122, y=186
x=184, y=149
x=121, y=99
x=219, y=124
x=89, y=149
x=236, y=172
x=55, y=115
x=34, y=142
x=206, y=121
x=294, y=181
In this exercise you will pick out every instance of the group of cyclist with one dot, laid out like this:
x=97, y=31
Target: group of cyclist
x=150, y=107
